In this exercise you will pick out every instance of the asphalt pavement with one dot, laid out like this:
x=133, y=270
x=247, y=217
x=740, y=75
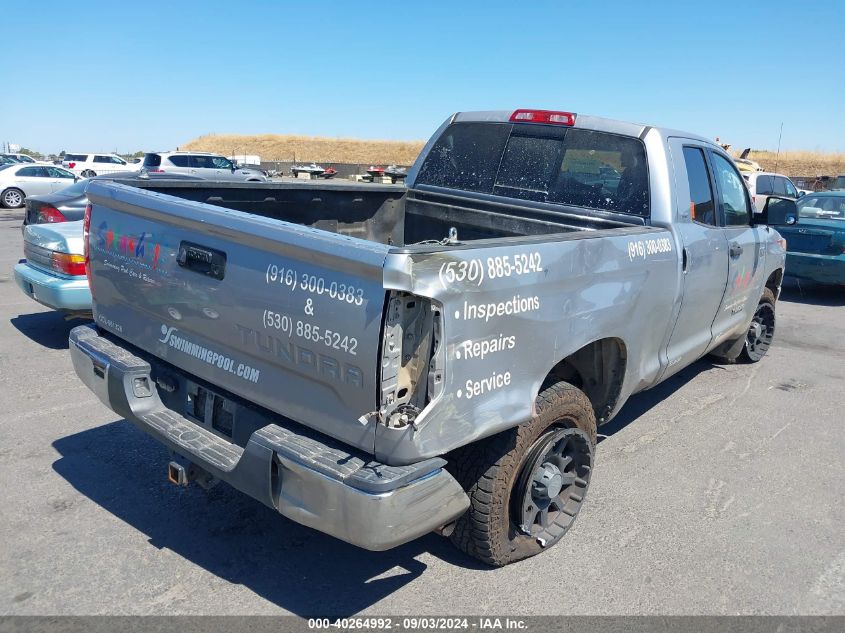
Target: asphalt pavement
x=718, y=492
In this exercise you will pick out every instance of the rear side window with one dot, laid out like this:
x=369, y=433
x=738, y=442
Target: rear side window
x=77, y=158
x=180, y=160
x=30, y=172
x=152, y=160
x=541, y=163
x=764, y=186
x=702, y=208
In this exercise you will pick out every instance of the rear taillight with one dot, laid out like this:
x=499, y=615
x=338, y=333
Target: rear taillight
x=68, y=264
x=86, y=248
x=155, y=171
x=543, y=116
x=48, y=214
x=71, y=165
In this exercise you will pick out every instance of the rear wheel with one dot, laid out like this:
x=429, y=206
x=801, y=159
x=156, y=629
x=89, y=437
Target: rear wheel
x=527, y=485
x=761, y=332
x=88, y=173
x=12, y=198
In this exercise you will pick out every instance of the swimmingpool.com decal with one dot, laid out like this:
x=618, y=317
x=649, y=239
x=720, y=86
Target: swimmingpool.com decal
x=170, y=336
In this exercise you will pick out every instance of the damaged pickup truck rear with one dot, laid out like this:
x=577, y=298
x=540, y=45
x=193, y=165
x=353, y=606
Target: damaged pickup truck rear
x=380, y=362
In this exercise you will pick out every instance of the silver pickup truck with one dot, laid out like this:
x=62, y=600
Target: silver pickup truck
x=380, y=362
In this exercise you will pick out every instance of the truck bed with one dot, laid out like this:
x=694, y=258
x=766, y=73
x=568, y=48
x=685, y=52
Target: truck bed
x=389, y=214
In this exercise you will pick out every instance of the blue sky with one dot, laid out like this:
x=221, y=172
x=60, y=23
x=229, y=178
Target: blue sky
x=98, y=76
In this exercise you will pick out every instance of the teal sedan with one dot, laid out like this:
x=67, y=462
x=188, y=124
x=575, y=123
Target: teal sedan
x=816, y=243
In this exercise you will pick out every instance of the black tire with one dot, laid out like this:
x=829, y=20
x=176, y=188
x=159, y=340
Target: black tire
x=12, y=198
x=498, y=474
x=761, y=332
x=88, y=173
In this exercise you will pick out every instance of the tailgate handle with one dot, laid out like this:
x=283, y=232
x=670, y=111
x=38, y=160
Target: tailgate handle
x=202, y=260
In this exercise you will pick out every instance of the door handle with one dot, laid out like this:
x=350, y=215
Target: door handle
x=736, y=250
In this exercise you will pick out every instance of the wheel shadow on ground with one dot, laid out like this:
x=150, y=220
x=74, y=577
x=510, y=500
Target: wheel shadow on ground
x=806, y=292
x=233, y=536
x=639, y=404
x=48, y=329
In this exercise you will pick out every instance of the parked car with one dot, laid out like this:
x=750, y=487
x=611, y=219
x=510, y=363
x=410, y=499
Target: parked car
x=21, y=158
x=205, y=164
x=8, y=160
x=838, y=183
x=379, y=361
x=816, y=243
x=53, y=273
x=89, y=165
x=763, y=184
x=19, y=180
x=68, y=204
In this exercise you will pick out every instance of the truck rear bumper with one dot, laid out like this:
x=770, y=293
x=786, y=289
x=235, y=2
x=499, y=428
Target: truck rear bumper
x=307, y=478
x=59, y=293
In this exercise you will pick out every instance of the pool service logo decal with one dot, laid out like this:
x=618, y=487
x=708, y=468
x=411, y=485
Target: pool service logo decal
x=142, y=248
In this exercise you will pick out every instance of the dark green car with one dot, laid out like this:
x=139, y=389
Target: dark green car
x=816, y=243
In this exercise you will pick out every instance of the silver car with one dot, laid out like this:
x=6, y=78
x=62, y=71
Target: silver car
x=204, y=164
x=17, y=181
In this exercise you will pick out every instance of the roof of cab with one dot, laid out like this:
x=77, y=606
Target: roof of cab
x=587, y=122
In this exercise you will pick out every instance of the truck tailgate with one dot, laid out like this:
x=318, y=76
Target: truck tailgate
x=285, y=316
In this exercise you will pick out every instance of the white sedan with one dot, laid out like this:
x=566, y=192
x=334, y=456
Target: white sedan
x=21, y=180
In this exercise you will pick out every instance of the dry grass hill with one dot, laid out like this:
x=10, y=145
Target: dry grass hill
x=800, y=163
x=280, y=147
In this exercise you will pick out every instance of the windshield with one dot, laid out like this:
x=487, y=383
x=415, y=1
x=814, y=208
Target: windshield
x=541, y=163
x=822, y=207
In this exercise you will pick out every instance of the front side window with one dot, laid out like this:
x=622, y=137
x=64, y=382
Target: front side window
x=55, y=172
x=221, y=163
x=702, y=208
x=790, y=188
x=732, y=196
x=541, y=163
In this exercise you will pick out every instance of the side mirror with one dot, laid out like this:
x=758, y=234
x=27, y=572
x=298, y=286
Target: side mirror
x=778, y=211
x=76, y=179
x=801, y=194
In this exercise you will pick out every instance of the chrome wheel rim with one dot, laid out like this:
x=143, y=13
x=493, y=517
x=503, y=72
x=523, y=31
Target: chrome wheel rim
x=13, y=198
